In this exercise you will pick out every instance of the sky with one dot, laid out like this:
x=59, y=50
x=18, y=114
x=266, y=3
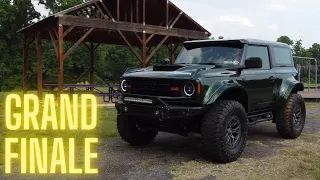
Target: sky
x=267, y=19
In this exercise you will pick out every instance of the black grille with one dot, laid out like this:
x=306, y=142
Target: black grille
x=155, y=87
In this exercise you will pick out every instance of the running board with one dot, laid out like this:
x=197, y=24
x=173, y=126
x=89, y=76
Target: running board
x=261, y=117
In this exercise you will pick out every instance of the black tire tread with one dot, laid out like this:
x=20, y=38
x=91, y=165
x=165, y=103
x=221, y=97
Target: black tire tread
x=284, y=117
x=131, y=135
x=213, y=132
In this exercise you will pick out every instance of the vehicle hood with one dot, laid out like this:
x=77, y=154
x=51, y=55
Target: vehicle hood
x=179, y=72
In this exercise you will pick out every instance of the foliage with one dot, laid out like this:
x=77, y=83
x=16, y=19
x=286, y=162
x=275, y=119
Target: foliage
x=285, y=39
x=110, y=60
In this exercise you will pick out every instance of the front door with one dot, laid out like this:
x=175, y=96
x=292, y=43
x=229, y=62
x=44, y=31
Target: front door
x=259, y=82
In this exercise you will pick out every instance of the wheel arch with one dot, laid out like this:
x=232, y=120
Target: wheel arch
x=234, y=92
x=287, y=88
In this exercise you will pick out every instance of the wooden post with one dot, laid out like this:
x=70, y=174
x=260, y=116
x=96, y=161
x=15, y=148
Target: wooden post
x=137, y=8
x=25, y=63
x=91, y=64
x=144, y=13
x=118, y=10
x=167, y=14
x=39, y=54
x=144, y=50
x=60, y=61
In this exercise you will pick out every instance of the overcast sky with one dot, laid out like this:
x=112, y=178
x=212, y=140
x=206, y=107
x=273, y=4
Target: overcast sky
x=267, y=19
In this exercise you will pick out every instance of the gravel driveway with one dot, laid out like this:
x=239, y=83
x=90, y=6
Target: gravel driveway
x=117, y=160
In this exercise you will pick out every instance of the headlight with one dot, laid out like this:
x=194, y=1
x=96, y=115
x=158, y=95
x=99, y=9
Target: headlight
x=124, y=85
x=189, y=89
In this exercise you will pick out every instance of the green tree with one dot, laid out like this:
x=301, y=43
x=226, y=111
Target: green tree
x=55, y=6
x=14, y=15
x=285, y=39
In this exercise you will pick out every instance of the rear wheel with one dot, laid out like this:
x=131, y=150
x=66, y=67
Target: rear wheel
x=135, y=133
x=224, y=131
x=290, y=120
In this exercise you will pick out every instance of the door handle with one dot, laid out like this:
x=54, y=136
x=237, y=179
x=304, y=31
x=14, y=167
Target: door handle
x=272, y=78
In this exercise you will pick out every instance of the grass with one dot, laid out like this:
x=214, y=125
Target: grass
x=299, y=160
x=106, y=128
x=312, y=105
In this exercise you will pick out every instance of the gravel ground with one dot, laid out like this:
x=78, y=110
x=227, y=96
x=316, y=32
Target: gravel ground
x=117, y=160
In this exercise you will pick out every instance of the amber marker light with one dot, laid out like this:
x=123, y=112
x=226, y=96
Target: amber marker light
x=175, y=89
x=199, y=88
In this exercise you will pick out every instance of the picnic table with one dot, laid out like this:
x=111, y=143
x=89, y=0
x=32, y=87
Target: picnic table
x=112, y=93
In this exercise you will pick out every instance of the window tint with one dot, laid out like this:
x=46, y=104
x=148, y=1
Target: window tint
x=282, y=55
x=259, y=51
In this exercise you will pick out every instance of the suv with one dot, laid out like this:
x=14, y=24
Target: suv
x=216, y=88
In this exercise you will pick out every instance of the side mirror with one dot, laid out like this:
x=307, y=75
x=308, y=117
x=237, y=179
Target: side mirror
x=253, y=62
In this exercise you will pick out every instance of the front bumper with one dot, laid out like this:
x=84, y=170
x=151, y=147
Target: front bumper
x=158, y=110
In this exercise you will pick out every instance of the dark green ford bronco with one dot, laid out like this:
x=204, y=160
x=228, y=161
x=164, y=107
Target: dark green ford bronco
x=216, y=88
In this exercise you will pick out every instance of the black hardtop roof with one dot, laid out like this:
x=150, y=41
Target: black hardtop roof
x=244, y=41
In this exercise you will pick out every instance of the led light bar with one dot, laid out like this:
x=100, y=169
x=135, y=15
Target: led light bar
x=138, y=100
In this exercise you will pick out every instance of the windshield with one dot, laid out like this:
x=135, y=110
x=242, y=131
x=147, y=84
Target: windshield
x=217, y=55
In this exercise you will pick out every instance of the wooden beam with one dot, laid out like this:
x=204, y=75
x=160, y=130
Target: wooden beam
x=167, y=14
x=144, y=50
x=96, y=5
x=68, y=31
x=144, y=13
x=133, y=27
x=118, y=10
x=55, y=31
x=60, y=62
x=150, y=37
x=175, y=21
x=137, y=10
x=128, y=43
x=77, y=43
x=39, y=55
x=96, y=46
x=53, y=41
x=86, y=45
x=138, y=37
x=107, y=10
x=25, y=64
x=156, y=49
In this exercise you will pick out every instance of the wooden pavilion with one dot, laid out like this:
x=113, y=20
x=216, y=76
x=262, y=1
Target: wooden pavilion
x=134, y=23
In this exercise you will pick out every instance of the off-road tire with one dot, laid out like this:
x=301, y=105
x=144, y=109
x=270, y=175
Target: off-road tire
x=214, y=131
x=284, y=118
x=129, y=132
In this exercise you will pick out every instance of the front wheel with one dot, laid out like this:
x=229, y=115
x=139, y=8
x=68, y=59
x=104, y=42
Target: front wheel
x=135, y=133
x=224, y=131
x=290, y=120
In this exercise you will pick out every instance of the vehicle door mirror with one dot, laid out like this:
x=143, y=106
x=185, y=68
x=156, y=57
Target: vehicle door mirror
x=253, y=62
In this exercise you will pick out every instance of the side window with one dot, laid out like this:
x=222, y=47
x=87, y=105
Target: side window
x=282, y=56
x=259, y=51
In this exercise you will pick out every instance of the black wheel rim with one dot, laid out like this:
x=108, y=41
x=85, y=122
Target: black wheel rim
x=296, y=116
x=233, y=132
